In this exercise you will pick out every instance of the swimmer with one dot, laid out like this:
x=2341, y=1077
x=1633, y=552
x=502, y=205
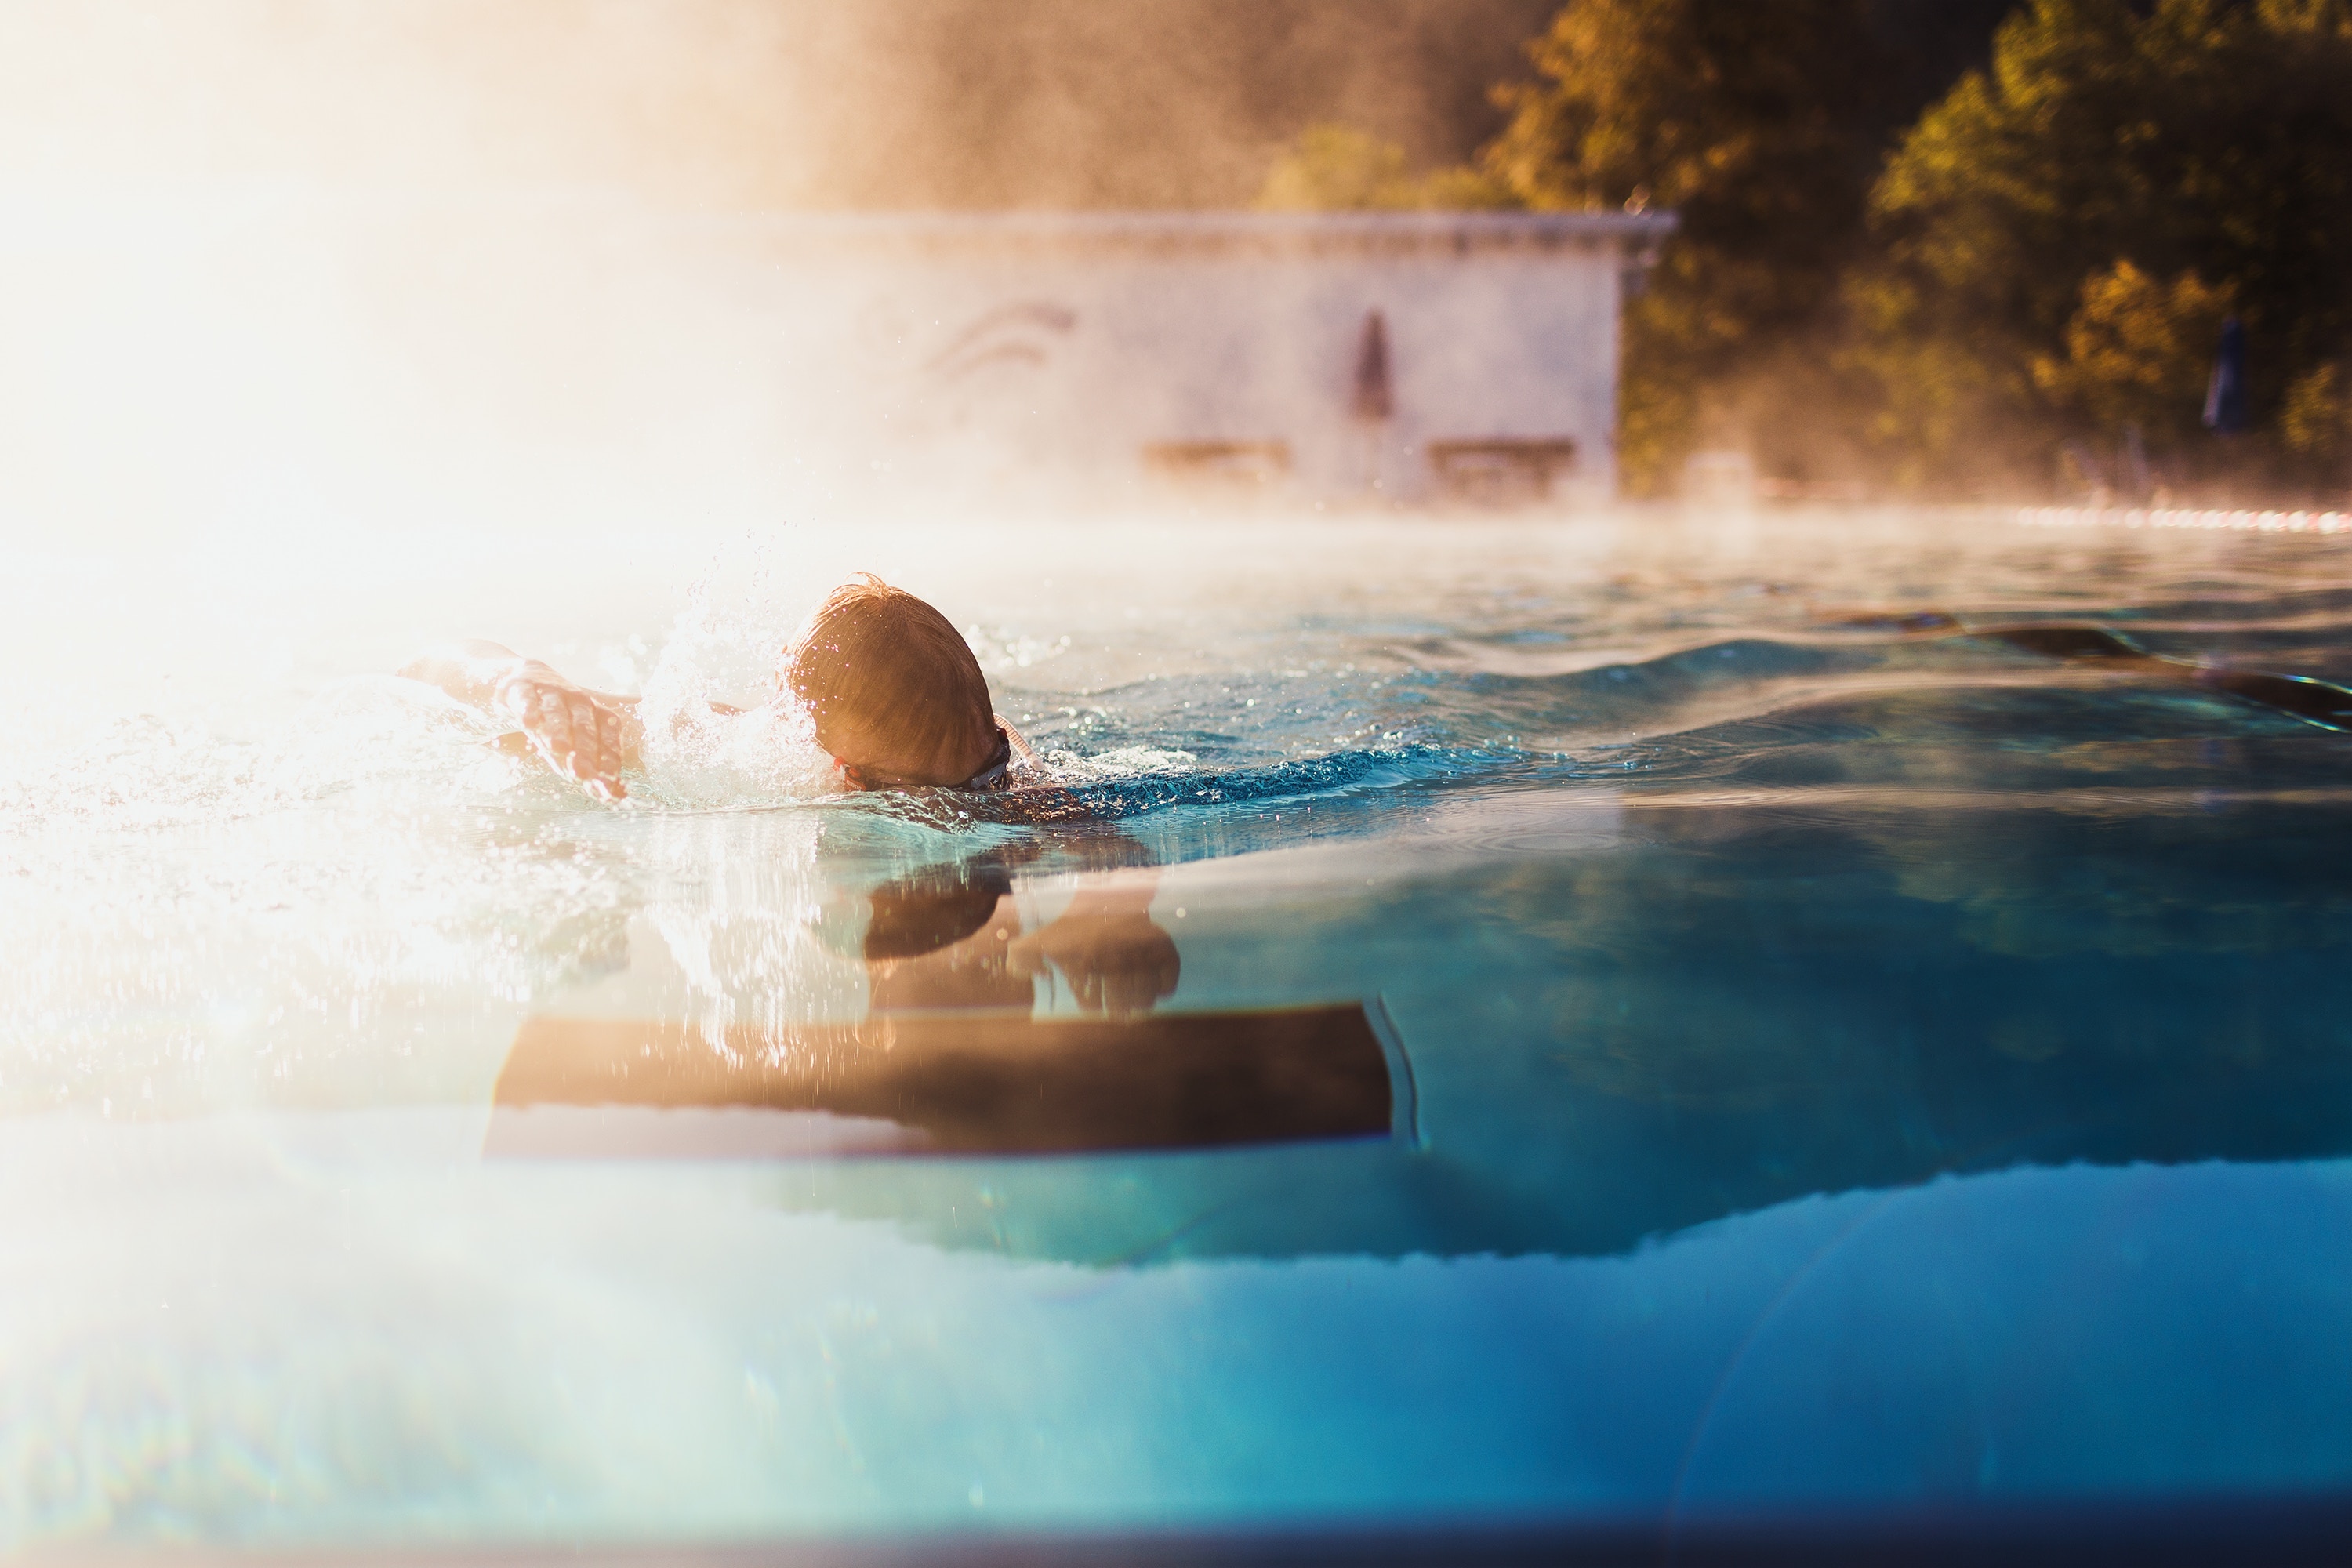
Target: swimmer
x=898, y=699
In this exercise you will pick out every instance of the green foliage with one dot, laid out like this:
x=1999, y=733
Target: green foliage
x=1331, y=166
x=2316, y=418
x=2028, y=216
x=1334, y=168
x=1759, y=126
x=2138, y=353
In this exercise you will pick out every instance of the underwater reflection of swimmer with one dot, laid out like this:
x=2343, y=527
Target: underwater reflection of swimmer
x=950, y=1059
x=956, y=939
x=941, y=1082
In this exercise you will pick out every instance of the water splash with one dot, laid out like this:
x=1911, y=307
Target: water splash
x=721, y=654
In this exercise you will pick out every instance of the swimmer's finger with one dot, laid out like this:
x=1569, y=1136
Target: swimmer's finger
x=562, y=723
x=602, y=736
x=544, y=725
x=547, y=720
x=557, y=737
x=581, y=755
x=598, y=774
x=600, y=779
x=550, y=748
x=608, y=739
x=605, y=781
x=517, y=697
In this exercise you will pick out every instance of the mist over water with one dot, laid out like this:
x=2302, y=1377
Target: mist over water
x=735, y=104
x=306, y=269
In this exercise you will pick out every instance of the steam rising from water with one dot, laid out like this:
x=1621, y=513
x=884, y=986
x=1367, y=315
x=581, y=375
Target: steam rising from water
x=747, y=103
x=305, y=270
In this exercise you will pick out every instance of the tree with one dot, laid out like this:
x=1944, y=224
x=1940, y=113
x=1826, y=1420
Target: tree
x=2029, y=218
x=2138, y=353
x=1761, y=127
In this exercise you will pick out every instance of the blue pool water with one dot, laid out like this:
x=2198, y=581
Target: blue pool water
x=1839, y=1064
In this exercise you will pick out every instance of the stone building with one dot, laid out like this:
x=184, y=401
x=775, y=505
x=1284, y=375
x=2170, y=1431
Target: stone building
x=1412, y=356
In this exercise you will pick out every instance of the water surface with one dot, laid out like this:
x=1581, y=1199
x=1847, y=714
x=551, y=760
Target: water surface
x=1839, y=1059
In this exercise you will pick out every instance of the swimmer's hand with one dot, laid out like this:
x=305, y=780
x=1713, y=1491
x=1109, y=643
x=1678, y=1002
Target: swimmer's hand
x=581, y=737
x=585, y=736
x=1117, y=961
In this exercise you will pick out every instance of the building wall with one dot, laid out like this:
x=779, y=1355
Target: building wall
x=1089, y=346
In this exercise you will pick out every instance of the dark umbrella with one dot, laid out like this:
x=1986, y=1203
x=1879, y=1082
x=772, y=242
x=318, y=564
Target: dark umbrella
x=1373, y=399
x=2225, y=395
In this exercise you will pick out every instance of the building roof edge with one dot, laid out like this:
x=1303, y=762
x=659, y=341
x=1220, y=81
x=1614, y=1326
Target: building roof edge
x=1196, y=230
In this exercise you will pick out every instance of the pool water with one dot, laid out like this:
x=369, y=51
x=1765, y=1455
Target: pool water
x=1809, y=1059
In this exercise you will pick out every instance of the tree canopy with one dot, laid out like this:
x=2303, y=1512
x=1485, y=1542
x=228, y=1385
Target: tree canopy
x=2062, y=234
x=1759, y=126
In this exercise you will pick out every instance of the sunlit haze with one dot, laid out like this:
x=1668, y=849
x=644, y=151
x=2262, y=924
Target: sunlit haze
x=1584, y=803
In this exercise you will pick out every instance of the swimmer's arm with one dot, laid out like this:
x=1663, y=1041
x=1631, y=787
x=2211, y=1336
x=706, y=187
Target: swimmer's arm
x=587, y=736
x=1115, y=958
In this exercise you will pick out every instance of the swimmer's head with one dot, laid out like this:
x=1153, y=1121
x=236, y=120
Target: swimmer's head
x=895, y=692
